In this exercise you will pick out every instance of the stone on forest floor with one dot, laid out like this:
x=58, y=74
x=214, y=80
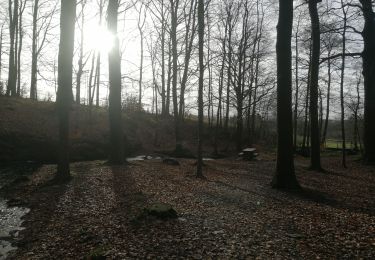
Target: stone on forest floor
x=99, y=253
x=171, y=161
x=161, y=211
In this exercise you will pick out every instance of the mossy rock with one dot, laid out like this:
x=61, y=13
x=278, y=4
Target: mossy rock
x=98, y=253
x=161, y=211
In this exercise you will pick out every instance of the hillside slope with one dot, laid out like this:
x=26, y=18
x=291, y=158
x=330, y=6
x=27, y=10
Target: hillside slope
x=29, y=131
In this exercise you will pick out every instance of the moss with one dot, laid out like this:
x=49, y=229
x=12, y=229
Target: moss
x=161, y=211
x=98, y=253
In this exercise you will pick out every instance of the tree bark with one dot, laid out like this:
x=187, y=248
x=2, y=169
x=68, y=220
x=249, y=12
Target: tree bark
x=314, y=93
x=368, y=57
x=295, y=120
x=200, y=91
x=34, y=58
x=174, y=8
x=284, y=176
x=12, y=71
x=64, y=92
x=116, y=155
x=325, y=128
x=342, y=77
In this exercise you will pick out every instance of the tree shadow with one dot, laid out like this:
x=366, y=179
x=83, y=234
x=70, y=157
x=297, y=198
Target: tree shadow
x=130, y=200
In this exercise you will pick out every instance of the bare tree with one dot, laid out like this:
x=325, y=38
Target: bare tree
x=115, y=117
x=41, y=26
x=12, y=70
x=344, y=10
x=314, y=86
x=284, y=176
x=368, y=57
x=64, y=92
x=200, y=91
x=140, y=25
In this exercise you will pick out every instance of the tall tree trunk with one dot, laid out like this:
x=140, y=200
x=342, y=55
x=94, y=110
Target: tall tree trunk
x=368, y=57
x=284, y=176
x=91, y=83
x=64, y=92
x=342, y=104
x=324, y=135
x=314, y=93
x=34, y=58
x=168, y=98
x=16, y=54
x=98, y=59
x=188, y=49
x=221, y=85
x=97, y=78
x=307, y=98
x=356, y=109
x=116, y=155
x=12, y=71
x=295, y=120
x=163, y=98
x=229, y=70
x=200, y=91
x=20, y=43
x=174, y=8
x=80, y=60
x=140, y=25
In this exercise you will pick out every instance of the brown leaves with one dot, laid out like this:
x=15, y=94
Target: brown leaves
x=232, y=214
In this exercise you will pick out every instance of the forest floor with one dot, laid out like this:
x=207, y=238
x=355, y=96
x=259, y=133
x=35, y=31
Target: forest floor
x=233, y=213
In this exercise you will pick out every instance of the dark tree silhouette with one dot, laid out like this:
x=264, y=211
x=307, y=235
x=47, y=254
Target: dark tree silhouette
x=368, y=57
x=200, y=91
x=64, y=92
x=116, y=155
x=34, y=58
x=314, y=78
x=12, y=71
x=284, y=176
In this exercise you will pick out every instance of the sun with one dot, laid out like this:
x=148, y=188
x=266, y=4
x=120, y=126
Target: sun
x=98, y=38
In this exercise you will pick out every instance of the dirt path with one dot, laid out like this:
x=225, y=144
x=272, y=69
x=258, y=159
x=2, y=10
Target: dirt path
x=232, y=214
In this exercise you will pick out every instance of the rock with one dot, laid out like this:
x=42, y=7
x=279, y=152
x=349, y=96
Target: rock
x=295, y=235
x=161, y=211
x=171, y=161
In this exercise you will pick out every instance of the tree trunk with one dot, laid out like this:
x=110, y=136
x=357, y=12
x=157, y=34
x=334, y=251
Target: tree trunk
x=284, y=176
x=20, y=43
x=229, y=71
x=200, y=91
x=324, y=135
x=116, y=155
x=188, y=49
x=64, y=92
x=342, y=104
x=221, y=84
x=295, y=120
x=91, y=83
x=314, y=93
x=98, y=59
x=12, y=71
x=306, y=119
x=140, y=25
x=163, y=99
x=368, y=57
x=168, y=98
x=34, y=58
x=174, y=8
